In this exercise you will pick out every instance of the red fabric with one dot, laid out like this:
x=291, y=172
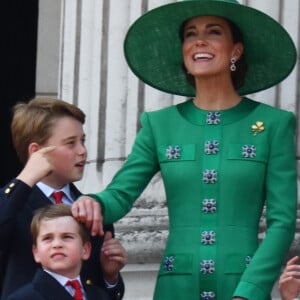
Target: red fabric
x=77, y=288
x=58, y=197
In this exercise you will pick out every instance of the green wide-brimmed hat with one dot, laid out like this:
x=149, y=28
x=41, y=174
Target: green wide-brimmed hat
x=153, y=48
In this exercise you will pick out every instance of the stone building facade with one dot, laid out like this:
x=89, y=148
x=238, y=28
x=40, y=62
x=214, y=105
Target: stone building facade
x=80, y=60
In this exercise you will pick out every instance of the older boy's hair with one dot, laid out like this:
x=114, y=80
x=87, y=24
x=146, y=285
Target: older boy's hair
x=51, y=212
x=33, y=122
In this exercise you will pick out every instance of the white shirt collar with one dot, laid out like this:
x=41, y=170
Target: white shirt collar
x=48, y=190
x=63, y=281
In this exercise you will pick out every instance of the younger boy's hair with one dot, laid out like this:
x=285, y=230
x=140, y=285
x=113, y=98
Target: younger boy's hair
x=51, y=212
x=33, y=122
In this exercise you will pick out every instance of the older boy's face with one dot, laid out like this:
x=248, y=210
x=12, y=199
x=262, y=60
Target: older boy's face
x=59, y=247
x=69, y=157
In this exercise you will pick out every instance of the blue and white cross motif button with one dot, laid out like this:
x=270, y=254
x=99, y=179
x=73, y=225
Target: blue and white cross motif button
x=249, y=151
x=173, y=152
x=210, y=176
x=211, y=147
x=169, y=263
x=209, y=206
x=248, y=260
x=207, y=266
x=207, y=296
x=213, y=118
x=208, y=237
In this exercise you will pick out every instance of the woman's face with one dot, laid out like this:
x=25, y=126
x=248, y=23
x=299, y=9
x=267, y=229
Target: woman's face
x=208, y=47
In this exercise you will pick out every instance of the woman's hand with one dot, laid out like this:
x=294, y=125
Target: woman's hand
x=289, y=281
x=88, y=211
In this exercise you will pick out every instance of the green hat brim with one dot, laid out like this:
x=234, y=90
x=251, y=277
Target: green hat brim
x=153, y=48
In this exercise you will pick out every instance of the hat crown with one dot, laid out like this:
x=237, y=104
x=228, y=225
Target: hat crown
x=155, y=55
x=229, y=1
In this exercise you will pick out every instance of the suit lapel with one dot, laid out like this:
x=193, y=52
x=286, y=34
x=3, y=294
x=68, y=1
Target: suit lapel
x=74, y=191
x=50, y=288
x=37, y=199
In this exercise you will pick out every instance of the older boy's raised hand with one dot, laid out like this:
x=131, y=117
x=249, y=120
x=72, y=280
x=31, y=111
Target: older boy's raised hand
x=289, y=281
x=37, y=167
x=88, y=211
x=112, y=258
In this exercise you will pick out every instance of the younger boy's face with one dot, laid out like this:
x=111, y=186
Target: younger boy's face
x=69, y=157
x=59, y=247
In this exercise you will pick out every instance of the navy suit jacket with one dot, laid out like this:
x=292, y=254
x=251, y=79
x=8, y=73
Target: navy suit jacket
x=18, y=202
x=45, y=287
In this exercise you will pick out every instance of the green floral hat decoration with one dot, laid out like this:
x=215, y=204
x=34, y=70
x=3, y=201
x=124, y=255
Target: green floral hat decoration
x=153, y=48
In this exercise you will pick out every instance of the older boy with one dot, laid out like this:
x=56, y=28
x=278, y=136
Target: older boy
x=60, y=245
x=49, y=139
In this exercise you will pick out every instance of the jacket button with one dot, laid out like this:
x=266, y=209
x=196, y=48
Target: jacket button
x=89, y=282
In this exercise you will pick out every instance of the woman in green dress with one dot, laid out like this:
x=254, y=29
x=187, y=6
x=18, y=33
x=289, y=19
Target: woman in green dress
x=222, y=156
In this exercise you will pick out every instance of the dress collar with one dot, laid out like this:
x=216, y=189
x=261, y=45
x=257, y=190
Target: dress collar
x=198, y=116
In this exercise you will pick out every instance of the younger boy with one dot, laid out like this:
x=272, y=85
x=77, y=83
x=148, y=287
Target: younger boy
x=60, y=244
x=49, y=139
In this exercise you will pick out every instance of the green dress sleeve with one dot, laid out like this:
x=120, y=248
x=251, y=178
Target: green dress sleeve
x=130, y=181
x=281, y=207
